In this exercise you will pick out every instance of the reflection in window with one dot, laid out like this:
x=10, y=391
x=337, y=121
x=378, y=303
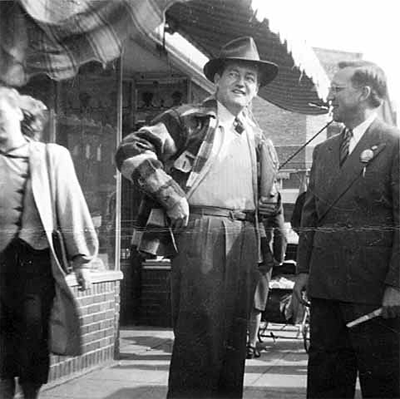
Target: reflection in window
x=86, y=124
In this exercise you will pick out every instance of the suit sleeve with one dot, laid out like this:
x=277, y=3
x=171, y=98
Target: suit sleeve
x=393, y=276
x=142, y=155
x=308, y=222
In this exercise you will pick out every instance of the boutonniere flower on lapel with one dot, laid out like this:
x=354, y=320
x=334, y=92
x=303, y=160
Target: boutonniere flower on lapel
x=366, y=157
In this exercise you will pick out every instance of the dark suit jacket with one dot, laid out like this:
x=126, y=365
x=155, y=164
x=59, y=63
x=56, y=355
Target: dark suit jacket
x=295, y=220
x=350, y=225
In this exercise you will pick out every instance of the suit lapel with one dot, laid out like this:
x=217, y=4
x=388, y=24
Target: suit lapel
x=353, y=167
x=332, y=159
x=370, y=139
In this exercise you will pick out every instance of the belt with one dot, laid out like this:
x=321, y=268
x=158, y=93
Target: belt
x=234, y=214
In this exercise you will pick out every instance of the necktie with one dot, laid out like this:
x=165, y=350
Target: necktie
x=238, y=125
x=344, y=145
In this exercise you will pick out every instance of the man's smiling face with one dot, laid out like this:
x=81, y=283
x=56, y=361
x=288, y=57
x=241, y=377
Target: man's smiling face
x=345, y=98
x=237, y=85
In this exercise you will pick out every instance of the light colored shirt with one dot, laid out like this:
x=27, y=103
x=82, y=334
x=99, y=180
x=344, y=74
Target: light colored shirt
x=359, y=131
x=228, y=182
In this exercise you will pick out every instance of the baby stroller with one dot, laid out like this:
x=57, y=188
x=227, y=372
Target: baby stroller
x=282, y=307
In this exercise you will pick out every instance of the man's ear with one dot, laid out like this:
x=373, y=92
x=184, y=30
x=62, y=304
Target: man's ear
x=365, y=92
x=217, y=78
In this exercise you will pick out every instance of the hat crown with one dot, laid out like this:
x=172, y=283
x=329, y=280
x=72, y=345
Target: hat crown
x=241, y=48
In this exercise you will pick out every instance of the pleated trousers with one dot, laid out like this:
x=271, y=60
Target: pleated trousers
x=213, y=281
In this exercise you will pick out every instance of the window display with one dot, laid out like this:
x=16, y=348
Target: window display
x=86, y=123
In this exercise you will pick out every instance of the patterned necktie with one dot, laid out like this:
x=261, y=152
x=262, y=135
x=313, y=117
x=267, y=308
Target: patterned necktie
x=238, y=126
x=344, y=145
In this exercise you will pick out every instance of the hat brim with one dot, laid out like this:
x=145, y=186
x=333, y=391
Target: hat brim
x=268, y=70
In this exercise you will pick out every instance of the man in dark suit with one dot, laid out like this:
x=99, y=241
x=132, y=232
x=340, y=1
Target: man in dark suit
x=348, y=254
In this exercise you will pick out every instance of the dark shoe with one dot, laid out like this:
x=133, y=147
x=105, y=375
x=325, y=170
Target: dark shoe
x=30, y=390
x=252, y=352
x=7, y=388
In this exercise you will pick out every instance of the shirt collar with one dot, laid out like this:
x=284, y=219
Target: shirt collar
x=359, y=130
x=226, y=118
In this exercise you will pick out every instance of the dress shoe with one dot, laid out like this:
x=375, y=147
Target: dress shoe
x=30, y=390
x=252, y=352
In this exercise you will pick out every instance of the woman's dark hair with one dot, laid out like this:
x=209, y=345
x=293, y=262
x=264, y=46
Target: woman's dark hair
x=367, y=73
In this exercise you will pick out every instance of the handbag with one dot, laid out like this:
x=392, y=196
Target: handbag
x=56, y=235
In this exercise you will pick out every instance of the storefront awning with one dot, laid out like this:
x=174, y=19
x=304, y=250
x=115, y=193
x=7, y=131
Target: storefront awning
x=55, y=37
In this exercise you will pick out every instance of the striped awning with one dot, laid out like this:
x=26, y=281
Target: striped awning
x=209, y=24
x=55, y=37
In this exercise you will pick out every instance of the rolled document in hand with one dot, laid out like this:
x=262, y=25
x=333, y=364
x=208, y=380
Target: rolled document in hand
x=364, y=318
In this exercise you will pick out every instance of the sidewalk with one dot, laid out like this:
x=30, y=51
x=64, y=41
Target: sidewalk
x=142, y=370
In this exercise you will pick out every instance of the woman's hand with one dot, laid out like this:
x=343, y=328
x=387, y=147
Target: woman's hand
x=83, y=277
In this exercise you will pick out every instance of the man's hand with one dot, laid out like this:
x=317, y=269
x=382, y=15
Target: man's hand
x=179, y=214
x=391, y=302
x=300, y=287
x=267, y=207
x=83, y=278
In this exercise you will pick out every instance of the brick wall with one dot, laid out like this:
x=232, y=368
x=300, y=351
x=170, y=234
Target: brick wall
x=100, y=308
x=283, y=127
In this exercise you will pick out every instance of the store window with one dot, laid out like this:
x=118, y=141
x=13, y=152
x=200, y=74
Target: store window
x=86, y=123
x=83, y=118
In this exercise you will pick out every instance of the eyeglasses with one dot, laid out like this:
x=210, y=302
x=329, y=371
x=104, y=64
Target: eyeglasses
x=337, y=88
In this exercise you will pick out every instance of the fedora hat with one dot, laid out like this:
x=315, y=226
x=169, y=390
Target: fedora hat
x=241, y=49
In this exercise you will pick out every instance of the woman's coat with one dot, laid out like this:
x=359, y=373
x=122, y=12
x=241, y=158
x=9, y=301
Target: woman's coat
x=79, y=235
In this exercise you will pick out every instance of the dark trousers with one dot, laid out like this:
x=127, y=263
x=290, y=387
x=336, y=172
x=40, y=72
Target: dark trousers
x=338, y=353
x=213, y=281
x=26, y=297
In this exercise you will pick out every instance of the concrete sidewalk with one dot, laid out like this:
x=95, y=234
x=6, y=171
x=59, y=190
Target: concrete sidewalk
x=142, y=370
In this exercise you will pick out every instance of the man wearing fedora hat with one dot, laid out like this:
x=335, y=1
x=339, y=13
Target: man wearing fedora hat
x=199, y=164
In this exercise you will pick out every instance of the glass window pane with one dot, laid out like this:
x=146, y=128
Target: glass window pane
x=86, y=123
